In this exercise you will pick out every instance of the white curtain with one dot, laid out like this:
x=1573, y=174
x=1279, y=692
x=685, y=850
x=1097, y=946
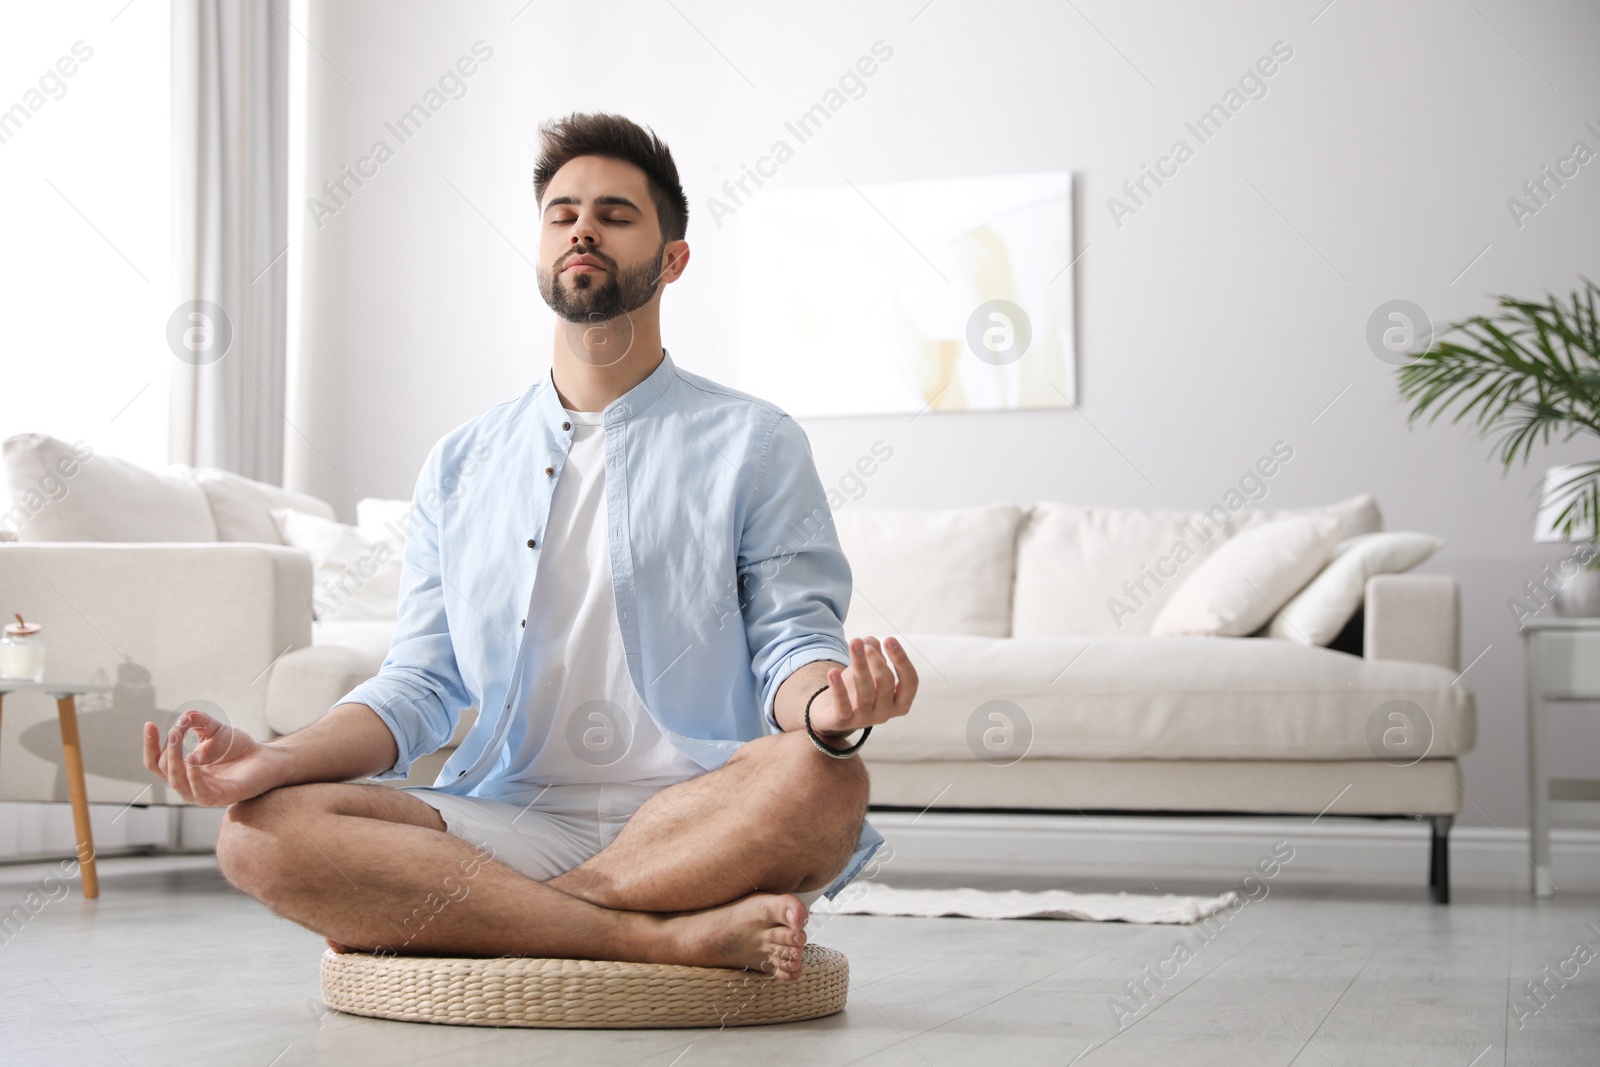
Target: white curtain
x=230, y=105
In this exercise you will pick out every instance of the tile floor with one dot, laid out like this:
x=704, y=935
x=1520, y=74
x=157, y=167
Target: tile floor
x=171, y=966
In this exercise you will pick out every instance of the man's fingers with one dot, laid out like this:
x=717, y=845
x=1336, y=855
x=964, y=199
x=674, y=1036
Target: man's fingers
x=198, y=786
x=152, y=747
x=865, y=685
x=908, y=678
x=882, y=678
x=841, y=697
x=174, y=743
x=177, y=770
x=201, y=788
x=208, y=737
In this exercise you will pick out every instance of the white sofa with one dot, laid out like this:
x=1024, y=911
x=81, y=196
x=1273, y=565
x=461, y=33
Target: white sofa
x=1033, y=694
x=1004, y=612
x=171, y=586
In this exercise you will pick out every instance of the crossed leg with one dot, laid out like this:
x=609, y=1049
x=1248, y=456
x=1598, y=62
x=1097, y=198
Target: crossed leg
x=703, y=873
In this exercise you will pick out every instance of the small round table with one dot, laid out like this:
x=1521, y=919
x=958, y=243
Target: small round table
x=65, y=694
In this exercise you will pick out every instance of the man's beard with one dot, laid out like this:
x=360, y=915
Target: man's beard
x=623, y=291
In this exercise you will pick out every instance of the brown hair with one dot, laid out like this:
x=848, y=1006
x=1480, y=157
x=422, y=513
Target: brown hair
x=616, y=137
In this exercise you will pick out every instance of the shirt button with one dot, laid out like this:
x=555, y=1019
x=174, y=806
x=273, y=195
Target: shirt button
x=530, y=542
x=549, y=470
x=566, y=425
x=524, y=624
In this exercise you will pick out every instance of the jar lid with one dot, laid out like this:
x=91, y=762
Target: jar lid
x=21, y=629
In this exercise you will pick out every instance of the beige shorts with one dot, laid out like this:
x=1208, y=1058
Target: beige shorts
x=562, y=826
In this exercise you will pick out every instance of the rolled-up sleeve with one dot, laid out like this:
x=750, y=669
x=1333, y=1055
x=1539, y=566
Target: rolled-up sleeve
x=794, y=578
x=418, y=692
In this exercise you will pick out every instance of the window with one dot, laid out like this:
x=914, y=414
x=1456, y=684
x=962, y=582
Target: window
x=85, y=242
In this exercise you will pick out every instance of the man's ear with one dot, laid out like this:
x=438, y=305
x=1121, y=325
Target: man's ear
x=674, y=261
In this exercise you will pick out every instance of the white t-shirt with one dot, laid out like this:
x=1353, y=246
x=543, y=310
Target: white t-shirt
x=584, y=721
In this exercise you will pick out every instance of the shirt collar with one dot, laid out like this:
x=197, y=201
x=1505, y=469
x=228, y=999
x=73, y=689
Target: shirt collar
x=624, y=407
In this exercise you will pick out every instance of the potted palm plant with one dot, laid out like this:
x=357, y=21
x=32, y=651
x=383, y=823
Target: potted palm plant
x=1529, y=369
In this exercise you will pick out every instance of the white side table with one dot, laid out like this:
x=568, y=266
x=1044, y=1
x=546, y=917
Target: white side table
x=1562, y=657
x=65, y=694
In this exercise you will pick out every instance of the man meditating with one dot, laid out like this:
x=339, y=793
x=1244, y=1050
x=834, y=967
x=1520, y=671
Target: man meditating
x=631, y=572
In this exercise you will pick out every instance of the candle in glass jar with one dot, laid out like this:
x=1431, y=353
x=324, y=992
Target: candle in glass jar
x=22, y=652
x=22, y=660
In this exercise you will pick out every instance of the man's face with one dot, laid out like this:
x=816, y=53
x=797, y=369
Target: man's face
x=600, y=246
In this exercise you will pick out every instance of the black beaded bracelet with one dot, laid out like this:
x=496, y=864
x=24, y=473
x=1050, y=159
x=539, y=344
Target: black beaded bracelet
x=836, y=753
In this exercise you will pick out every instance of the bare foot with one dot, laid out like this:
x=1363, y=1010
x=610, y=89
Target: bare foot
x=338, y=947
x=763, y=932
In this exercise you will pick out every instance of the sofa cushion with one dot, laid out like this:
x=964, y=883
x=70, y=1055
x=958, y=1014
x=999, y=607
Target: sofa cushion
x=1245, y=581
x=356, y=574
x=307, y=682
x=1170, y=698
x=62, y=492
x=243, y=507
x=947, y=572
x=368, y=637
x=1079, y=569
x=1357, y=515
x=1319, y=612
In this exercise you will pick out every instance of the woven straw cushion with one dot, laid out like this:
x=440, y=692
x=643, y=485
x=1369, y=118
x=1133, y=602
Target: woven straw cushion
x=519, y=991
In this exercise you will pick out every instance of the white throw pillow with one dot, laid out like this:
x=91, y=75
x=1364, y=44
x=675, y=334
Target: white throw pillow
x=1319, y=611
x=62, y=492
x=384, y=518
x=1357, y=515
x=947, y=571
x=243, y=507
x=1248, y=578
x=355, y=575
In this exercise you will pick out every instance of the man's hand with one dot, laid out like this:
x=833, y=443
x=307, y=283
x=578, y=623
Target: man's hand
x=226, y=766
x=867, y=692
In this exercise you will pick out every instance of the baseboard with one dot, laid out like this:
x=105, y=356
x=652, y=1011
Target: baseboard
x=1044, y=844
x=35, y=832
x=1049, y=844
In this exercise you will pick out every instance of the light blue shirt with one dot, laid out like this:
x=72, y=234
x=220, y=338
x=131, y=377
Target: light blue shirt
x=727, y=569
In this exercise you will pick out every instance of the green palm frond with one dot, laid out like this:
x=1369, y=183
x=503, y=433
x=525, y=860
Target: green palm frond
x=1528, y=370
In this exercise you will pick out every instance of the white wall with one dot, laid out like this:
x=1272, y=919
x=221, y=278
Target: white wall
x=1224, y=315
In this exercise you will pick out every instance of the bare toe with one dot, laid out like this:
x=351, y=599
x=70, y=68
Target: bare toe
x=763, y=932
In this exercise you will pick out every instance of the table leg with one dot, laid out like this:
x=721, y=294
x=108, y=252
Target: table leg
x=1538, y=778
x=67, y=710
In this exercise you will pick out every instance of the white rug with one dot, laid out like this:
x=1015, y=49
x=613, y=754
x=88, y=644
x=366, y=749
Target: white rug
x=873, y=898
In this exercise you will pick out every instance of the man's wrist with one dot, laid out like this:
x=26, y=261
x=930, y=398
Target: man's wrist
x=827, y=735
x=831, y=743
x=332, y=748
x=285, y=762
x=790, y=703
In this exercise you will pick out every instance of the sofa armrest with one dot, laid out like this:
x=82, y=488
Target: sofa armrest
x=1414, y=617
x=307, y=682
x=190, y=621
x=162, y=624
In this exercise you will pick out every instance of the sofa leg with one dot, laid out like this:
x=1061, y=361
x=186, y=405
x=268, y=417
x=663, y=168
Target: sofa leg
x=1439, y=862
